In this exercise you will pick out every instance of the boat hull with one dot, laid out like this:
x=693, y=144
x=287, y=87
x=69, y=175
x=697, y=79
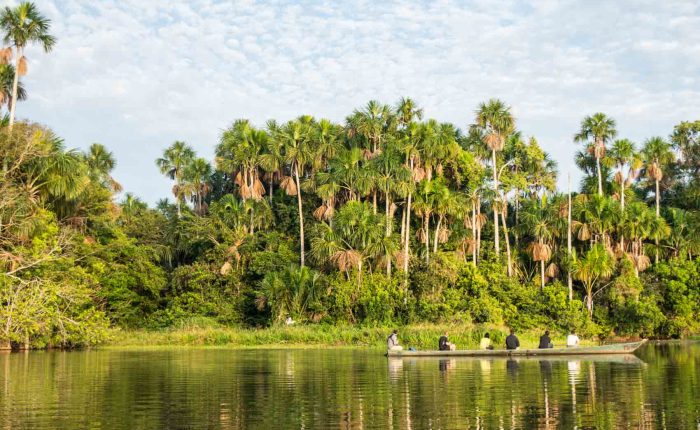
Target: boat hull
x=619, y=348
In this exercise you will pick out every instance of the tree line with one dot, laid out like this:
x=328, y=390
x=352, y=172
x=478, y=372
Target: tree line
x=386, y=218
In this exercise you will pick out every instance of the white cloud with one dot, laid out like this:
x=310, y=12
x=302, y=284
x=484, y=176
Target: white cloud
x=138, y=75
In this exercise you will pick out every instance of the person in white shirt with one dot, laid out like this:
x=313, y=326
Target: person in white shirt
x=392, y=342
x=572, y=340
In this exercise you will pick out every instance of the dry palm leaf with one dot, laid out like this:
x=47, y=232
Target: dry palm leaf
x=5, y=55
x=443, y=235
x=584, y=233
x=245, y=192
x=599, y=150
x=418, y=174
x=552, y=271
x=618, y=177
x=260, y=302
x=320, y=212
x=330, y=210
x=22, y=66
x=642, y=262
x=494, y=141
x=420, y=235
x=89, y=240
x=400, y=258
x=655, y=172
x=289, y=186
x=238, y=180
x=347, y=259
x=258, y=189
x=392, y=209
x=225, y=268
x=541, y=252
x=439, y=169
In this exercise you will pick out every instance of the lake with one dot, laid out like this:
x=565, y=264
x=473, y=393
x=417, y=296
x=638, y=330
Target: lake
x=658, y=388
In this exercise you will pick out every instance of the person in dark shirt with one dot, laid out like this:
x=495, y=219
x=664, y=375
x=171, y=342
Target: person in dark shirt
x=444, y=343
x=512, y=341
x=545, y=341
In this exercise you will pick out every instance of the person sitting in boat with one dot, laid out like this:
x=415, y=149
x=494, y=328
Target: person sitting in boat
x=444, y=343
x=545, y=341
x=392, y=342
x=572, y=340
x=512, y=341
x=486, y=342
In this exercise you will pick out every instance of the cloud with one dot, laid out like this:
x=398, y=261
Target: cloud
x=137, y=75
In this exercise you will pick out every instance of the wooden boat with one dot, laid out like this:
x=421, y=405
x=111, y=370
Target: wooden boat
x=611, y=349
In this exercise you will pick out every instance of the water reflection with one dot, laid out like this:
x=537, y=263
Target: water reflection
x=351, y=389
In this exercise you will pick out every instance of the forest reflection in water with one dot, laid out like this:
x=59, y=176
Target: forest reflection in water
x=347, y=388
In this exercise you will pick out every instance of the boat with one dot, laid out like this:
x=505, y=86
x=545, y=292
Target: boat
x=610, y=349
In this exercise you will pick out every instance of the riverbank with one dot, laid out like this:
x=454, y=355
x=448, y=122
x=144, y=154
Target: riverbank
x=320, y=336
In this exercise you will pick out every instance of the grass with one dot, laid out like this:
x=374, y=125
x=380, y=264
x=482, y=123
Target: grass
x=423, y=336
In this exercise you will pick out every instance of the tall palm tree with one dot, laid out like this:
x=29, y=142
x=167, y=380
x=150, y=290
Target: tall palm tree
x=172, y=164
x=101, y=162
x=597, y=264
x=7, y=80
x=657, y=155
x=393, y=179
x=495, y=119
x=196, y=175
x=597, y=130
x=538, y=220
x=298, y=151
x=622, y=154
x=21, y=26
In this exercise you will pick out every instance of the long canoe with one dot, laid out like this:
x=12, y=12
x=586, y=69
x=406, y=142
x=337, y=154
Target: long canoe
x=615, y=348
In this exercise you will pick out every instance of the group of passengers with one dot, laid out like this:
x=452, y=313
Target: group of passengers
x=512, y=341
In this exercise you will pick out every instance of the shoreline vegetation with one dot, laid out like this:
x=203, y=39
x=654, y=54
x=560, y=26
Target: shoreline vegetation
x=386, y=218
x=420, y=336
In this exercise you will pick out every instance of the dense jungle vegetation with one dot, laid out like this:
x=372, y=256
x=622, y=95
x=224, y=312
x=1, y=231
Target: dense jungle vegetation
x=389, y=218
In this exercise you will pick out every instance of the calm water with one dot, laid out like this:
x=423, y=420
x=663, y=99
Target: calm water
x=229, y=389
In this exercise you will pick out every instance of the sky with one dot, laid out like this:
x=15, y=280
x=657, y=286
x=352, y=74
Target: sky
x=137, y=75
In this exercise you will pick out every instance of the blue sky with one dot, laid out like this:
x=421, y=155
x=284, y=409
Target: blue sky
x=136, y=75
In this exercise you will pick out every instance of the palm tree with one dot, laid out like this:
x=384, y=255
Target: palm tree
x=196, y=176
x=132, y=205
x=101, y=162
x=495, y=119
x=172, y=164
x=657, y=155
x=21, y=26
x=7, y=80
x=597, y=130
x=538, y=220
x=597, y=264
x=298, y=151
x=623, y=154
x=392, y=178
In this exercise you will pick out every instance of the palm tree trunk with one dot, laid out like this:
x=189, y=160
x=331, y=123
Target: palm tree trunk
x=505, y=234
x=622, y=206
x=374, y=201
x=589, y=301
x=478, y=229
x=407, y=238
x=658, y=214
x=570, y=281
x=474, y=232
x=437, y=234
x=177, y=198
x=301, y=214
x=493, y=203
x=272, y=178
x=15, y=83
x=426, y=227
x=600, y=176
x=403, y=225
x=388, y=233
x=542, y=274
